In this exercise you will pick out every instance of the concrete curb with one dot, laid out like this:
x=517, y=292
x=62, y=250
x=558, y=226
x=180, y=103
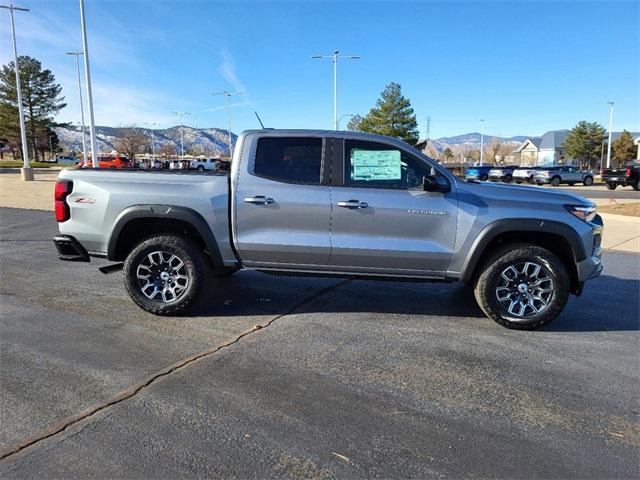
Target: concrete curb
x=619, y=218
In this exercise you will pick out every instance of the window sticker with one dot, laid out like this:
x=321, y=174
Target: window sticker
x=368, y=165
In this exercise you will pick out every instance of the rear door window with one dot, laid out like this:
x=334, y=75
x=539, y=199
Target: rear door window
x=289, y=160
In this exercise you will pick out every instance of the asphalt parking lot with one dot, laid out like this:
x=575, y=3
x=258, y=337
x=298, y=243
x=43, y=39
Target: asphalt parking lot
x=307, y=377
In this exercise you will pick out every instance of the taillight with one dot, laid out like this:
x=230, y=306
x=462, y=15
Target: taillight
x=63, y=189
x=628, y=172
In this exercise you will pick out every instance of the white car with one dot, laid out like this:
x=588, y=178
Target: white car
x=203, y=164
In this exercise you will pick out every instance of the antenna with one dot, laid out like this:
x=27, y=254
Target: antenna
x=258, y=117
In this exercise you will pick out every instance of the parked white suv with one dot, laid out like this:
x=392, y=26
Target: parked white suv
x=203, y=164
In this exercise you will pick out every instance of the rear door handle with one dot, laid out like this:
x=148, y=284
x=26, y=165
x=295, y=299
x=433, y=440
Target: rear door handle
x=259, y=200
x=353, y=204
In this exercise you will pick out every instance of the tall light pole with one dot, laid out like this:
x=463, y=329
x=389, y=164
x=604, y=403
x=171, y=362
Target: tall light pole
x=87, y=77
x=181, y=115
x=481, y=141
x=84, y=143
x=228, y=95
x=153, y=137
x=334, y=59
x=343, y=116
x=610, y=126
x=25, y=172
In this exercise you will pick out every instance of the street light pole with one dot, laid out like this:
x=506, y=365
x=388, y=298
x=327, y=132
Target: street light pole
x=482, y=141
x=334, y=59
x=26, y=172
x=84, y=143
x=153, y=137
x=87, y=76
x=610, y=125
x=228, y=95
x=342, y=116
x=181, y=115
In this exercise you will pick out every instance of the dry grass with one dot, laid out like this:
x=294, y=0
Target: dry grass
x=629, y=209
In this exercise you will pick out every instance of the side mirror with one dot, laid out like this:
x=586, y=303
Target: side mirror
x=435, y=183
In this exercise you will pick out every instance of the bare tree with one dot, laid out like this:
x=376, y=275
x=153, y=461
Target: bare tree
x=133, y=141
x=167, y=150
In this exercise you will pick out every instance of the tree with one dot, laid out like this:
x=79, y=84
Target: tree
x=392, y=116
x=41, y=97
x=354, y=123
x=448, y=153
x=623, y=148
x=584, y=143
x=167, y=150
x=133, y=141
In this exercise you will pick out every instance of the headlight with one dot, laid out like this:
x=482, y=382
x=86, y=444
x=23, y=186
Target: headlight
x=586, y=213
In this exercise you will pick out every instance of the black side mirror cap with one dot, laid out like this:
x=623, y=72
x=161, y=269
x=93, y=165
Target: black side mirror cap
x=435, y=183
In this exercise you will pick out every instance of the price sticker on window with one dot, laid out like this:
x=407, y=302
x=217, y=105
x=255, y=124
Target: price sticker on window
x=371, y=165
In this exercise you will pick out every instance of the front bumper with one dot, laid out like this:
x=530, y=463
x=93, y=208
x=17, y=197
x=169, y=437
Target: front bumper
x=592, y=266
x=69, y=249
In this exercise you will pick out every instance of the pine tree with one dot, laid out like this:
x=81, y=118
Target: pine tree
x=623, y=148
x=41, y=102
x=447, y=154
x=392, y=116
x=584, y=142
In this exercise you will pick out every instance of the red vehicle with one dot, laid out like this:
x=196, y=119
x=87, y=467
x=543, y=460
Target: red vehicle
x=112, y=161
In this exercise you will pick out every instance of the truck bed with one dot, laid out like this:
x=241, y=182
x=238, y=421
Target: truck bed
x=100, y=197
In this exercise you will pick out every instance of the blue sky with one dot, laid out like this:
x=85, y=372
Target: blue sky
x=525, y=67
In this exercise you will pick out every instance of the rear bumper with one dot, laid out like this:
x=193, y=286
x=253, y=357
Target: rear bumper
x=69, y=249
x=617, y=179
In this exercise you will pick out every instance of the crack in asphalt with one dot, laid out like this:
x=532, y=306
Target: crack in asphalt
x=137, y=388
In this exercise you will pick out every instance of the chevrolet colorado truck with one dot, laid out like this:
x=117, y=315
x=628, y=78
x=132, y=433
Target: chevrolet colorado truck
x=307, y=202
x=629, y=175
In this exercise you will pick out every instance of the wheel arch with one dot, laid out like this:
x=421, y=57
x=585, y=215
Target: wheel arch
x=560, y=239
x=140, y=221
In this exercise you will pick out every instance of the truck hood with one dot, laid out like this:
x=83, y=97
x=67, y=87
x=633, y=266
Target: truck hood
x=519, y=193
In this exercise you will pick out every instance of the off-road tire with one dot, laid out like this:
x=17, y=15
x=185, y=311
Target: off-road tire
x=484, y=177
x=555, y=181
x=508, y=179
x=491, y=270
x=194, y=262
x=636, y=186
x=611, y=186
x=588, y=181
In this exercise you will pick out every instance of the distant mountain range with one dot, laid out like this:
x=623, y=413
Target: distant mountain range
x=207, y=141
x=471, y=141
x=211, y=141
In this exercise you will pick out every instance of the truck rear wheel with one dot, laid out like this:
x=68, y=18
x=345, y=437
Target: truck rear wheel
x=164, y=274
x=611, y=186
x=522, y=287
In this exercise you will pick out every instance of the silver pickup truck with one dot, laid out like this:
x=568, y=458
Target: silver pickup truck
x=331, y=203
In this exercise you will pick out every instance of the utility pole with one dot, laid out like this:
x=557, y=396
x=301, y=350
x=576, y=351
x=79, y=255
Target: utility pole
x=25, y=172
x=482, y=141
x=228, y=95
x=84, y=143
x=181, y=115
x=87, y=76
x=334, y=59
x=610, y=126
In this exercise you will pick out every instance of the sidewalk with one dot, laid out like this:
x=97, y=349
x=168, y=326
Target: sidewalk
x=621, y=233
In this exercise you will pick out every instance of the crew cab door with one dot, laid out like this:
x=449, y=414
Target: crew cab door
x=383, y=221
x=282, y=206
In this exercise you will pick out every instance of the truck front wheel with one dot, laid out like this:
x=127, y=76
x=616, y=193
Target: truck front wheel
x=522, y=287
x=164, y=274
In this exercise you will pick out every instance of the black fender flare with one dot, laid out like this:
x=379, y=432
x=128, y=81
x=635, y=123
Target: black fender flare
x=491, y=231
x=188, y=215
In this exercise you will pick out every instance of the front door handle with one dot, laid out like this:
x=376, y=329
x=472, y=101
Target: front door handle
x=353, y=204
x=259, y=200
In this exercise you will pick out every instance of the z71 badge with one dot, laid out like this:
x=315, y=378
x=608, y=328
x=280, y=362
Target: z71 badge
x=413, y=211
